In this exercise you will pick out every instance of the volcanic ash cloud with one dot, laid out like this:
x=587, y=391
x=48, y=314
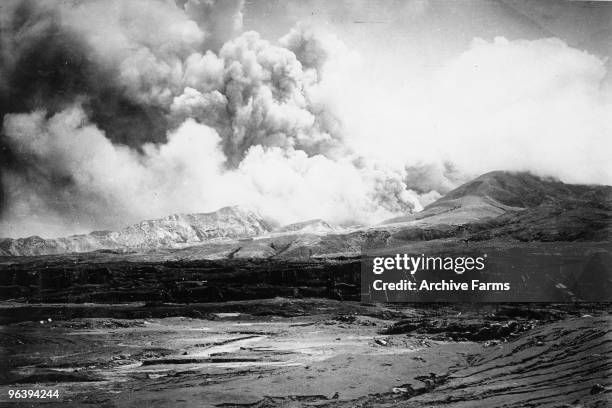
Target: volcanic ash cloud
x=134, y=122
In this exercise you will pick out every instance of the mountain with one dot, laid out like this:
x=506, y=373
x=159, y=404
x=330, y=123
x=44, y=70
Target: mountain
x=548, y=239
x=497, y=205
x=534, y=208
x=174, y=230
x=499, y=193
x=316, y=226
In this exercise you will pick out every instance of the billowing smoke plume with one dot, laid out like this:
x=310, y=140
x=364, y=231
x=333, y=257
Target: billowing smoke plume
x=116, y=111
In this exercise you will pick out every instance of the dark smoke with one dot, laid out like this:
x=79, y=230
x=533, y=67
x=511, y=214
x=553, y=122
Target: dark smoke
x=47, y=66
x=116, y=111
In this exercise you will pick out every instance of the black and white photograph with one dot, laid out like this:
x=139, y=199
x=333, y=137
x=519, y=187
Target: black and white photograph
x=306, y=203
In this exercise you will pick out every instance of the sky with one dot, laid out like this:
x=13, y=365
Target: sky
x=426, y=34
x=349, y=111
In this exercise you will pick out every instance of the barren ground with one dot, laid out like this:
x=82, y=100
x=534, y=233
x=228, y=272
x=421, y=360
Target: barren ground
x=309, y=352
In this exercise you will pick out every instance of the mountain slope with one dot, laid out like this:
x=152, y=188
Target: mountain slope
x=171, y=231
x=316, y=226
x=498, y=193
x=510, y=206
x=523, y=190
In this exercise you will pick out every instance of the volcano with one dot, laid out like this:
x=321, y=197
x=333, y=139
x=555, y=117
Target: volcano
x=497, y=205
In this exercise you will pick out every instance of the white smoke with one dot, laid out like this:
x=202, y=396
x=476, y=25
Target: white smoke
x=297, y=130
x=111, y=185
x=535, y=105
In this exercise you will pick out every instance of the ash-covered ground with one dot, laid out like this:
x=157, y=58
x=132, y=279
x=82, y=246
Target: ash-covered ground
x=161, y=314
x=109, y=332
x=309, y=352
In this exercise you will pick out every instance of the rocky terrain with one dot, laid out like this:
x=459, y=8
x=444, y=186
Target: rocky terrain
x=522, y=207
x=226, y=309
x=538, y=233
x=513, y=206
x=310, y=352
x=228, y=222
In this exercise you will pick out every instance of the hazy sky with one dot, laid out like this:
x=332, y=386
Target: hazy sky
x=421, y=34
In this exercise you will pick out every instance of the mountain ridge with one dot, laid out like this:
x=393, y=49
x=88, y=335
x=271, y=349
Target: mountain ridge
x=228, y=222
x=497, y=193
x=518, y=206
